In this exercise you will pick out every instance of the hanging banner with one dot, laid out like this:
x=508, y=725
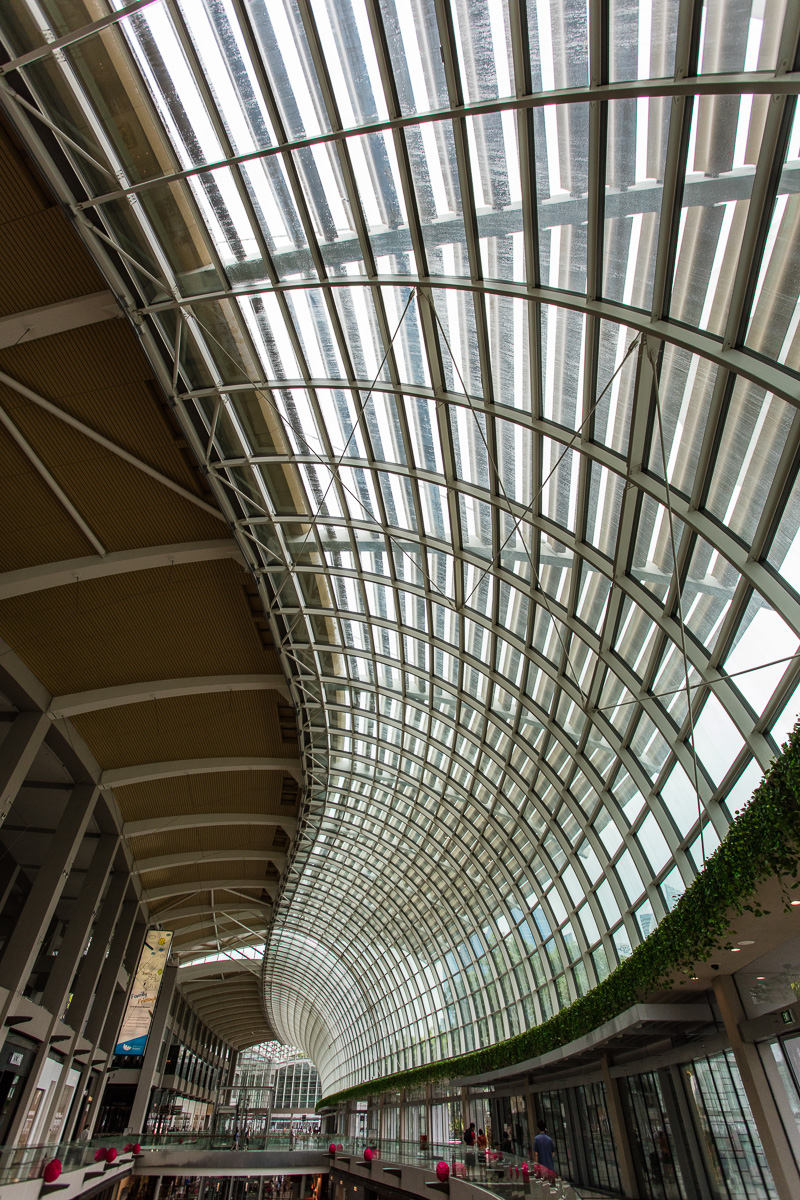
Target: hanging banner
x=146, y=984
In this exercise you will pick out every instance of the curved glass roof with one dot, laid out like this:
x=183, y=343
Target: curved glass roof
x=482, y=317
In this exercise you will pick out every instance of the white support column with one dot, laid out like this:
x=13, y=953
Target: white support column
x=22, y=947
x=158, y=1024
x=765, y=1112
x=17, y=753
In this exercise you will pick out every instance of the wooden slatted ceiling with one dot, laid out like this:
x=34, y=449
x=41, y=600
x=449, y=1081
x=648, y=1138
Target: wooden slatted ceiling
x=240, y=791
x=231, y=1006
x=217, y=837
x=228, y=723
x=30, y=245
x=227, y=900
x=173, y=622
x=34, y=527
x=258, y=872
x=67, y=369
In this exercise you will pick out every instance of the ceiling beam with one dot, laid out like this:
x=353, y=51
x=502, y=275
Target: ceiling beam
x=239, y=990
x=171, y=915
x=246, y=1013
x=97, y=566
x=194, y=972
x=204, y=885
x=187, y=858
x=228, y=1003
x=35, y=323
x=163, y=689
x=75, y=35
x=227, y=931
x=50, y=480
x=100, y=438
x=206, y=821
x=148, y=772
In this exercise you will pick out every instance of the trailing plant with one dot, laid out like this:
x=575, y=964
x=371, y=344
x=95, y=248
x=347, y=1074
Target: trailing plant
x=762, y=842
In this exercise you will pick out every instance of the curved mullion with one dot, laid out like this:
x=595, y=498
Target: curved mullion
x=750, y=365
x=508, y=735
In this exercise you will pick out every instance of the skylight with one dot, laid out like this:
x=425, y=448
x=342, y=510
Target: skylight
x=486, y=334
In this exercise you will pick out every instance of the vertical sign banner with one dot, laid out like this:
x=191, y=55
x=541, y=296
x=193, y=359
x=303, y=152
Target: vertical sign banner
x=146, y=984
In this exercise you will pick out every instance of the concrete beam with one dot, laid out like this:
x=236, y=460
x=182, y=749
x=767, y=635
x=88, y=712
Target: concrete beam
x=147, y=772
x=206, y=821
x=96, y=566
x=227, y=929
x=150, y=895
x=17, y=753
x=194, y=972
x=163, y=689
x=190, y=857
x=255, y=908
x=57, y=318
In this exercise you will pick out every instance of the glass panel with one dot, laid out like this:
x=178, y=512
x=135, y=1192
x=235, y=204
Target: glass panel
x=456, y=495
x=729, y=1138
x=653, y=1142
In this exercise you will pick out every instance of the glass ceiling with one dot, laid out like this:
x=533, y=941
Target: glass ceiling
x=483, y=319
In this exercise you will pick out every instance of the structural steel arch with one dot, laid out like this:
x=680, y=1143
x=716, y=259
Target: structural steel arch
x=487, y=339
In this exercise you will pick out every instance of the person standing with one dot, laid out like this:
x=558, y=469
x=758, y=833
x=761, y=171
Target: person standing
x=470, y=1138
x=543, y=1149
x=482, y=1144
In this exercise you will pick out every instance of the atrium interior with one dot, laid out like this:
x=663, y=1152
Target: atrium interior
x=399, y=597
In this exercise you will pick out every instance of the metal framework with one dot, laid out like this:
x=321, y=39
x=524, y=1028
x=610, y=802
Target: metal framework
x=482, y=318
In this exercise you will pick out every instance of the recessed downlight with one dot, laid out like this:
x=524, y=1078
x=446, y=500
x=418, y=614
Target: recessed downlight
x=746, y=942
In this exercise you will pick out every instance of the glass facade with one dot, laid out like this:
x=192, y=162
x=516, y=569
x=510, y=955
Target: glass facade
x=734, y=1157
x=653, y=1142
x=296, y=1086
x=497, y=385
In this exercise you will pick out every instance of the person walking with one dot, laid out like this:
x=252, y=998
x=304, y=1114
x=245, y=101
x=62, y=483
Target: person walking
x=543, y=1149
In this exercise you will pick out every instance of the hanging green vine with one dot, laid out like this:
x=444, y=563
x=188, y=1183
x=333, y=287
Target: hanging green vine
x=763, y=841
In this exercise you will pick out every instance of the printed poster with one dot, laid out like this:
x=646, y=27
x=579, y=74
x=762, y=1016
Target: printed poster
x=146, y=985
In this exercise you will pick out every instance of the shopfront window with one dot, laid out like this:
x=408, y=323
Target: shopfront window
x=735, y=1160
x=447, y=1125
x=652, y=1141
x=551, y=1107
x=595, y=1125
x=509, y=1120
x=787, y=1059
x=391, y=1122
